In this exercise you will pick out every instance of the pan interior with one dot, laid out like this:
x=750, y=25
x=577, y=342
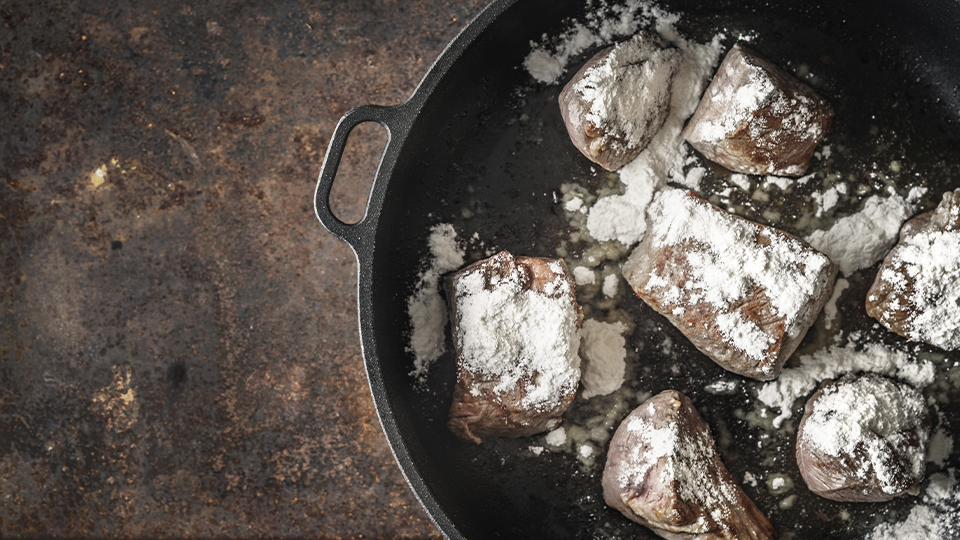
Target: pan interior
x=488, y=154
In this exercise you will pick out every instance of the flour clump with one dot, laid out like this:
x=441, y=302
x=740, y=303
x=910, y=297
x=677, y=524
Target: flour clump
x=603, y=353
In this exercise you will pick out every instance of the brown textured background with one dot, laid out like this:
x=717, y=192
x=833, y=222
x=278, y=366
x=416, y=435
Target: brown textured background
x=178, y=339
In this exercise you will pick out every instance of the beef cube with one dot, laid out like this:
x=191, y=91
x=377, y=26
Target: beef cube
x=619, y=99
x=756, y=118
x=663, y=471
x=863, y=439
x=516, y=327
x=743, y=293
x=917, y=291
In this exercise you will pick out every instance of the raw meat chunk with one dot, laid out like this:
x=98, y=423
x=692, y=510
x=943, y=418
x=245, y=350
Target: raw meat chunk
x=917, y=290
x=863, y=439
x=756, y=118
x=663, y=471
x=516, y=327
x=743, y=293
x=619, y=99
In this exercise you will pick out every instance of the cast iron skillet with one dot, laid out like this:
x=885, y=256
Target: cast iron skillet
x=481, y=145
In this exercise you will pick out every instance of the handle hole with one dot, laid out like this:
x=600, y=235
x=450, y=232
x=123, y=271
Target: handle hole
x=358, y=167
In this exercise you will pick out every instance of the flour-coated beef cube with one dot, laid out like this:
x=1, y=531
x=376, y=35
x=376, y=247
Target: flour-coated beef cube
x=516, y=328
x=756, y=118
x=863, y=439
x=663, y=471
x=619, y=99
x=744, y=294
x=917, y=291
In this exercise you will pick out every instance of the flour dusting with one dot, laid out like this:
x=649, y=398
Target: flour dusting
x=426, y=308
x=795, y=383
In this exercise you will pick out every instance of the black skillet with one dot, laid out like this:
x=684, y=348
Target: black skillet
x=481, y=145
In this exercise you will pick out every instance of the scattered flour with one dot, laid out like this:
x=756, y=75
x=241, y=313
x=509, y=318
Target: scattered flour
x=584, y=275
x=826, y=200
x=830, y=309
x=610, y=285
x=547, y=60
x=860, y=240
x=575, y=204
x=937, y=518
x=782, y=182
x=722, y=387
x=537, y=450
x=795, y=383
x=603, y=353
x=823, y=153
x=777, y=483
x=742, y=181
x=426, y=308
x=556, y=437
x=621, y=217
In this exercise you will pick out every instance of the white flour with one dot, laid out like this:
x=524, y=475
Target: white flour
x=548, y=60
x=584, y=276
x=937, y=518
x=610, y=285
x=603, y=351
x=666, y=157
x=828, y=199
x=742, y=181
x=621, y=217
x=556, y=437
x=519, y=335
x=426, y=308
x=784, y=182
x=860, y=240
x=795, y=383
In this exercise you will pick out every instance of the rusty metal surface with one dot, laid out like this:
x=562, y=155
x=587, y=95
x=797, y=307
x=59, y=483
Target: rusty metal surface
x=178, y=335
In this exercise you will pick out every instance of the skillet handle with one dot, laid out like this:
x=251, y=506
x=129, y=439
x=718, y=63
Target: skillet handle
x=388, y=117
